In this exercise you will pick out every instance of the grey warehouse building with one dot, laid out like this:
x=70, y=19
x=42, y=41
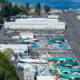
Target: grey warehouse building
x=34, y=23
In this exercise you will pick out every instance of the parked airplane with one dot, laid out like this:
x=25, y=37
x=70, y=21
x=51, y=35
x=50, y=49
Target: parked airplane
x=75, y=76
x=58, y=58
x=56, y=40
x=65, y=69
x=63, y=62
x=73, y=63
x=31, y=40
x=30, y=60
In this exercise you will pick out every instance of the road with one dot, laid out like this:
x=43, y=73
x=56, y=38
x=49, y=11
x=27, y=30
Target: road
x=73, y=31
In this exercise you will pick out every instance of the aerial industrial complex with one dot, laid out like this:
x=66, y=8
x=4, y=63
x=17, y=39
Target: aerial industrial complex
x=41, y=46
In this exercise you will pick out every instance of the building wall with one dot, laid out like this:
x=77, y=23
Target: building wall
x=28, y=75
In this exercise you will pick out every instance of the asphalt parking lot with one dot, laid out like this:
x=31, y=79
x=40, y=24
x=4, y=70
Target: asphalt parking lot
x=73, y=31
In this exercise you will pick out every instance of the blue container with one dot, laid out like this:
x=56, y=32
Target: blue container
x=43, y=75
x=35, y=46
x=40, y=71
x=63, y=46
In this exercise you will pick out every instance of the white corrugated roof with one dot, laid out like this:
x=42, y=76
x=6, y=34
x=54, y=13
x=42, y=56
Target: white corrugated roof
x=13, y=46
x=24, y=33
x=34, y=22
x=29, y=19
x=46, y=77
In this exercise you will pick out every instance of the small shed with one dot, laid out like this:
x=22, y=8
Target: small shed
x=15, y=36
x=26, y=35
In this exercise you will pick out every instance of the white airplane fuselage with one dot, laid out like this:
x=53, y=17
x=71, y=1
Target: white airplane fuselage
x=33, y=60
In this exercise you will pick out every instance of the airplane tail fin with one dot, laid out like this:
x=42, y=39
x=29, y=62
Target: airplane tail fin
x=21, y=39
x=47, y=54
x=53, y=61
x=58, y=70
x=18, y=56
x=50, y=66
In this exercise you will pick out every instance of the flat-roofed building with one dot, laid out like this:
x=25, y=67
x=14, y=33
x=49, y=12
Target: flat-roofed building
x=17, y=48
x=53, y=16
x=15, y=36
x=25, y=35
x=34, y=23
x=29, y=74
x=46, y=78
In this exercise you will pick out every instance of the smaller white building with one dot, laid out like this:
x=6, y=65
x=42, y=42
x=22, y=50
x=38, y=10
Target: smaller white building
x=26, y=35
x=17, y=48
x=15, y=36
x=46, y=78
x=29, y=74
x=53, y=16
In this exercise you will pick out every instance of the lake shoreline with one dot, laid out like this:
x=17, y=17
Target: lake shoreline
x=53, y=4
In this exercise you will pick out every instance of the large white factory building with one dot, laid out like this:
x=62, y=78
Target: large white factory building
x=34, y=23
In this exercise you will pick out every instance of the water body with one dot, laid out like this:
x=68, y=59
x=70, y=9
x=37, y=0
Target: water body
x=54, y=4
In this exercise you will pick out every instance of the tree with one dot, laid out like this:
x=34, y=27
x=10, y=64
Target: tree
x=22, y=10
x=27, y=8
x=8, y=52
x=7, y=70
x=1, y=19
x=46, y=8
x=16, y=9
x=37, y=8
x=7, y=10
x=38, y=13
x=2, y=0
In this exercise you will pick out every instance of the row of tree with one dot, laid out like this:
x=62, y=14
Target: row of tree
x=8, y=9
x=37, y=8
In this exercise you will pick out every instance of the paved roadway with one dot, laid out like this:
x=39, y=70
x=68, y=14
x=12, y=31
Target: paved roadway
x=73, y=31
x=1, y=34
